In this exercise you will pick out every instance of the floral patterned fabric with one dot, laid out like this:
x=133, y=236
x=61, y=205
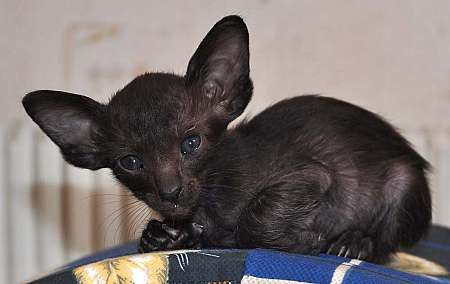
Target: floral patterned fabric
x=189, y=266
x=233, y=266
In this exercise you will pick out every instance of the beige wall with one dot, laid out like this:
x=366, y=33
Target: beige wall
x=392, y=57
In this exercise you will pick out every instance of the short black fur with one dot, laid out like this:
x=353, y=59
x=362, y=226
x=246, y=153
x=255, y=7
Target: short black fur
x=309, y=174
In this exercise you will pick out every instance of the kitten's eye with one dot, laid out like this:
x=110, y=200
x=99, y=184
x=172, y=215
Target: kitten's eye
x=131, y=163
x=190, y=144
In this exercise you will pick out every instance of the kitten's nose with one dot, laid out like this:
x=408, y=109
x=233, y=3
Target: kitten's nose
x=170, y=194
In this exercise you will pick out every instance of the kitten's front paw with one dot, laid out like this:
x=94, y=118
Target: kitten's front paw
x=160, y=236
x=352, y=244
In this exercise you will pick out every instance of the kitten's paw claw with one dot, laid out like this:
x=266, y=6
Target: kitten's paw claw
x=330, y=249
x=352, y=244
x=171, y=232
x=320, y=238
x=347, y=253
x=341, y=251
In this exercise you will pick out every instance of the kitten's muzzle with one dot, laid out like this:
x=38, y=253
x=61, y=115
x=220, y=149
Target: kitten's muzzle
x=170, y=194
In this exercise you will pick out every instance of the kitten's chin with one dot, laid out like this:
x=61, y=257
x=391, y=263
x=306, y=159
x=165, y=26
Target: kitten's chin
x=175, y=211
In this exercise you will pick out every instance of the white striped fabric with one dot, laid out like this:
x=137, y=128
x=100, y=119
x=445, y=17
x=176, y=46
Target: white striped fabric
x=341, y=270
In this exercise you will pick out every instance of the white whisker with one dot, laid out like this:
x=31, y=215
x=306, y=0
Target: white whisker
x=208, y=254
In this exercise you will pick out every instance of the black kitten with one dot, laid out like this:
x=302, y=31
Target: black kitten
x=310, y=174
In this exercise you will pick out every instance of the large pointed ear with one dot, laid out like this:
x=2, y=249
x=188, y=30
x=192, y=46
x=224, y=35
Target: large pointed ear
x=219, y=68
x=72, y=122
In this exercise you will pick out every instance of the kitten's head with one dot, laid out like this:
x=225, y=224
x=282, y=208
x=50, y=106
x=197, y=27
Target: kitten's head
x=155, y=132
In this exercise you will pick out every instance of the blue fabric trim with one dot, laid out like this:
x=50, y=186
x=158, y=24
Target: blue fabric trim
x=320, y=269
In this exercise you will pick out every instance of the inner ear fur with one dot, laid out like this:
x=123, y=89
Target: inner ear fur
x=219, y=68
x=72, y=122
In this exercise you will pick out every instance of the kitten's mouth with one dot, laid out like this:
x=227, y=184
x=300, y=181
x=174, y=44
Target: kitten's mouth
x=174, y=205
x=182, y=206
x=175, y=210
x=181, y=201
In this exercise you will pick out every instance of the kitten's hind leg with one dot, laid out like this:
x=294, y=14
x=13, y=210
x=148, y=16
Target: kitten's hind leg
x=281, y=215
x=399, y=217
